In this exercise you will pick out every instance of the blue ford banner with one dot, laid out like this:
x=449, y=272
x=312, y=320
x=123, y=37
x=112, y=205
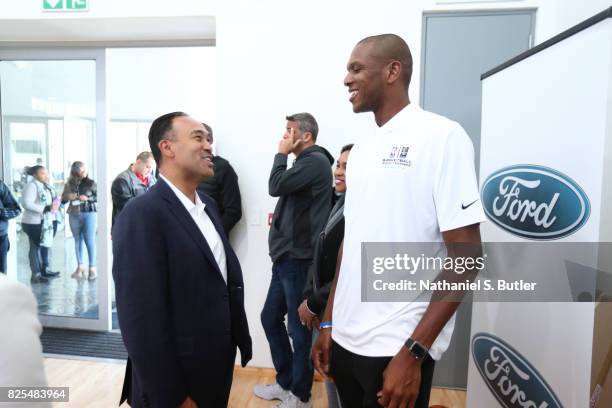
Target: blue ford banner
x=535, y=202
x=513, y=381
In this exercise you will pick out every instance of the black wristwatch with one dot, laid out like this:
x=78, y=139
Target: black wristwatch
x=418, y=350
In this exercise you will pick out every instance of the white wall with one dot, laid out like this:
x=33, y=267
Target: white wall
x=145, y=83
x=278, y=59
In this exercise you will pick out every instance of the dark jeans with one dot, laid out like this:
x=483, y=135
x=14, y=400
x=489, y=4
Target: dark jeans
x=5, y=245
x=293, y=366
x=37, y=255
x=359, y=378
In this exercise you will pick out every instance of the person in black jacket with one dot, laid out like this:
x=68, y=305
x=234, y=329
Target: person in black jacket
x=300, y=214
x=323, y=268
x=223, y=188
x=9, y=208
x=137, y=179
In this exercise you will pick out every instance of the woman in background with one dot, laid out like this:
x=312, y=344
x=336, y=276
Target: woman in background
x=41, y=205
x=82, y=194
x=323, y=268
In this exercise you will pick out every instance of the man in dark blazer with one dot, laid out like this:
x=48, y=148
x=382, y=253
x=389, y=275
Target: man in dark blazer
x=179, y=287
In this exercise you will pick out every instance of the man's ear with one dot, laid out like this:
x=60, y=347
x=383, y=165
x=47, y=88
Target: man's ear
x=394, y=70
x=307, y=137
x=165, y=147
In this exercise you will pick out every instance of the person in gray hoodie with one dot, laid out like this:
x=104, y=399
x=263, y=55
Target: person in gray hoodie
x=302, y=209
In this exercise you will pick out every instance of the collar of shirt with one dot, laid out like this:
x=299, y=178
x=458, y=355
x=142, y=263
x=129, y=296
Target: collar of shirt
x=198, y=207
x=144, y=180
x=398, y=119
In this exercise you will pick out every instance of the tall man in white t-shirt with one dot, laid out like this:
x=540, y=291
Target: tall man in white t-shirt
x=413, y=181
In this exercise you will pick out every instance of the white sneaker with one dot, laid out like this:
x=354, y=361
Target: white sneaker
x=271, y=392
x=294, y=402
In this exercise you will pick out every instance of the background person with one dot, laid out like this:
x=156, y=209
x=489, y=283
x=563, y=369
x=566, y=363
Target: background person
x=137, y=179
x=323, y=268
x=222, y=186
x=9, y=209
x=40, y=204
x=21, y=358
x=81, y=193
x=300, y=214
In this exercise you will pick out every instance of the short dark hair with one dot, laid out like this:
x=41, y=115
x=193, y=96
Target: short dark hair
x=346, y=148
x=161, y=129
x=35, y=169
x=306, y=122
x=144, y=156
x=209, y=130
x=392, y=47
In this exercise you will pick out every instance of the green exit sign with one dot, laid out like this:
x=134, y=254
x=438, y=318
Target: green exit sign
x=65, y=5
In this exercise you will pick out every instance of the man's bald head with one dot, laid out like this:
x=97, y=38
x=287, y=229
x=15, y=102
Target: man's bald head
x=390, y=47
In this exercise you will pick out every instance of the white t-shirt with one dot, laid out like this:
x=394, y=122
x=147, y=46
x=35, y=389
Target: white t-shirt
x=408, y=183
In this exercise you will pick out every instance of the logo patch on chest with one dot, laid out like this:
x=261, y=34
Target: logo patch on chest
x=397, y=158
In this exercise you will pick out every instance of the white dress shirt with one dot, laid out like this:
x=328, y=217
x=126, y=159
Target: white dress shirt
x=205, y=225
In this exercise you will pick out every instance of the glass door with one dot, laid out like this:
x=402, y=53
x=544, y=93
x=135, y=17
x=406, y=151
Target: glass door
x=53, y=122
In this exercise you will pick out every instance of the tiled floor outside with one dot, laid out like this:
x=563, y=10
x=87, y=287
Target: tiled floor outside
x=62, y=296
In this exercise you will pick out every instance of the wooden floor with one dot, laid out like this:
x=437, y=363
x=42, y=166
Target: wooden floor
x=96, y=384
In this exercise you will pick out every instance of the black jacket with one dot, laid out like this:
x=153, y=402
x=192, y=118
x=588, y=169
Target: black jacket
x=304, y=203
x=125, y=187
x=321, y=272
x=223, y=188
x=176, y=313
x=74, y=189
x=9, y=208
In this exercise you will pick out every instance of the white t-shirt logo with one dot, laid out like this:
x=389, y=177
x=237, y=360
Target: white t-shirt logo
x=397, y=157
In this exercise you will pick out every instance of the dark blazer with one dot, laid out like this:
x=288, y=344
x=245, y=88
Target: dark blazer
x=179, y=320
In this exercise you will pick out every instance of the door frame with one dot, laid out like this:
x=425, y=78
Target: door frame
x=455, y=13
x=97, y=54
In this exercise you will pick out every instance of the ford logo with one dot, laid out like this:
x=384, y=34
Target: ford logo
x=535, y=202
x=509, y=376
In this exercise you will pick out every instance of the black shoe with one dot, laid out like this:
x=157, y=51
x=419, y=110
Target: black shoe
x=39, y=279
x=48, y=273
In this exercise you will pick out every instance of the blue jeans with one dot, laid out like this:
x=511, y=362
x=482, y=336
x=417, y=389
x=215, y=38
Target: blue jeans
x=83, y=226
x=294, y=369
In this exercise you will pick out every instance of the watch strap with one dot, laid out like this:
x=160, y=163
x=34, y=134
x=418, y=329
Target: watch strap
x=418, y=350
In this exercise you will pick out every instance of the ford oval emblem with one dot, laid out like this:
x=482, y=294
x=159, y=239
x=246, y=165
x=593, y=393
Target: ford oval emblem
x=512, y=380
x=535, y=202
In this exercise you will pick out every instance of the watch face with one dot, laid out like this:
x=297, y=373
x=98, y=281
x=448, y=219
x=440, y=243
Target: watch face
x=417, y=349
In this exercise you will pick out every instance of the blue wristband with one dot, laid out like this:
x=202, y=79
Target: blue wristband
x=325, y=325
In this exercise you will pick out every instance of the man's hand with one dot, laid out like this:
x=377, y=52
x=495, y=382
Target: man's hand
x=307, y=318
x=321, y=352
x=188, y=403
x=83, y=197
x=286, y=144
x=401, y=381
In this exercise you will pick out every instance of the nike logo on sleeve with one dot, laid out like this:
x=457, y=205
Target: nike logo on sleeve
x=463, y=206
